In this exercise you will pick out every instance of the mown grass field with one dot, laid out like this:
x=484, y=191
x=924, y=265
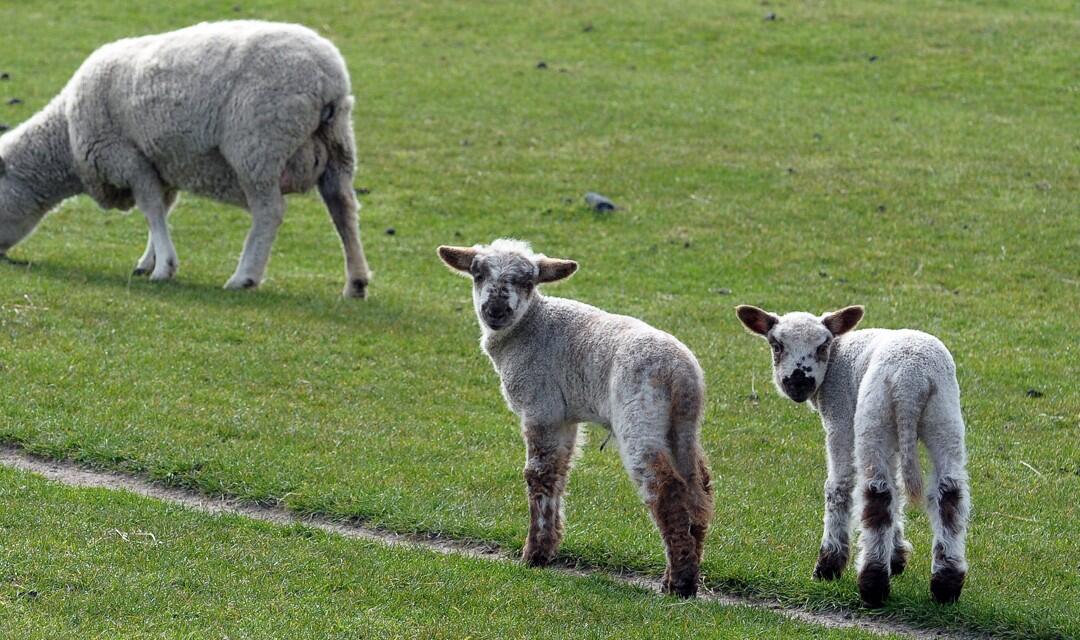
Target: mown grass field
x=918, y=158
x=86, y=563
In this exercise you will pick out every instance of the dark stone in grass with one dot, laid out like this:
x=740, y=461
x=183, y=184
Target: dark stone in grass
x=391, y=231
x=881, y=208
x=15, y=101
x=770, y=17
x=362, y=191
x=823, y=274
x=722, y=291
x=5, y=76
x=791, y=171
x=1034, y=393
x=1042, y=185
x=817, y=136
x=598, y=202
x=541, y=65
x=588, y=28
x=873, y=58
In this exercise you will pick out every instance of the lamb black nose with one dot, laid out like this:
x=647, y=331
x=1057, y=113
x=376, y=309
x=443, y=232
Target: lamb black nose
x=798, y=385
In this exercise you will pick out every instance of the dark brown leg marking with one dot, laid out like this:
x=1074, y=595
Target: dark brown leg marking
x=948, y=581
x=701, y=508
x=671, y=508
x=874, y=577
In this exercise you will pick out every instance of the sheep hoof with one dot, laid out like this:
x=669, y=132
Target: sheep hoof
x=356, y=288
x=946, y=584
x=139, y=271
x=237, y=284
x=830, y=565
x=874, y=585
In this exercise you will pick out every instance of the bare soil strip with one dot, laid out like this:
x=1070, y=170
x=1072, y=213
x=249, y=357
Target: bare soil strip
x=74, y=475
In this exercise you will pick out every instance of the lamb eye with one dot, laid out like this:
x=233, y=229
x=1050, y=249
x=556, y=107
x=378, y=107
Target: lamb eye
x=777, y=348
x=823, y=350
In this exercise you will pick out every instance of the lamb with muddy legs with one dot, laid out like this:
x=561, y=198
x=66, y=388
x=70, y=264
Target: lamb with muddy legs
x=878, y=392
x=563, y=363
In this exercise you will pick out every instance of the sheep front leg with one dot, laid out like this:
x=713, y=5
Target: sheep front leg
x=550, y=452
x=835, y=540
x=159, y=259
x=267, y=207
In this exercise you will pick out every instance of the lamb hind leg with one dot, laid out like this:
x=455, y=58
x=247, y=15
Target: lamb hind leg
x=668, y=497
x=949, y=505
x=550, y=452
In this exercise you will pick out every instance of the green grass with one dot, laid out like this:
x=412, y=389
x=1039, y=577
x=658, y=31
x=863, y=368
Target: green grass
x=80, y=563
x=937, y=185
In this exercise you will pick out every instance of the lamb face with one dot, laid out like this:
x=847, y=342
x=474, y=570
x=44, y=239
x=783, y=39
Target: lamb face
x=800, y=343
x=503, y=288
x=504, y=274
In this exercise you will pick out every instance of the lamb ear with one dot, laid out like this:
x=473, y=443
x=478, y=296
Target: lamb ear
x=458, y=258
x=756, y=320
x=842, y=321
x=552, y=269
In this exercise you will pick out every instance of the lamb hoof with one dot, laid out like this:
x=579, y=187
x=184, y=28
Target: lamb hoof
x=139, y=271
x=537, y=556
x=874, y=585
x=946, y=584
x=356, y=288
x=899, y=560
x=683, y=585
x=830, y=565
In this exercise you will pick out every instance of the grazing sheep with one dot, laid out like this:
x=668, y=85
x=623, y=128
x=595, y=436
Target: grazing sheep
x=563, y=363
x=877, y=391
x=242, y=112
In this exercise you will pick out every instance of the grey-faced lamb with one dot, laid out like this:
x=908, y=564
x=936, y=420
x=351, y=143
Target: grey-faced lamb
x=878, y=392
x=562, y=363
x=242, y=112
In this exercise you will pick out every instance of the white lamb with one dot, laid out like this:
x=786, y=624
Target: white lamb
x=563, y=363
x=878, y=391
x=242, y=112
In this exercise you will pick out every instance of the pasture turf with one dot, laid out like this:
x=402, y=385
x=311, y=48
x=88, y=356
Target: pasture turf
x=81, y=563
x=919, y=158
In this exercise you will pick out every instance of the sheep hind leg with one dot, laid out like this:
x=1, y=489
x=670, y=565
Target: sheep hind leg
x=335, y=187
x=267, y=207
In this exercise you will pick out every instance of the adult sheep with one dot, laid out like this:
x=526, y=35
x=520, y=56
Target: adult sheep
x=243, y=112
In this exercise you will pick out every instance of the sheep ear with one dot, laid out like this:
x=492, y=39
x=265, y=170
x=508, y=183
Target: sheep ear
x=842, y=321
x=552, y=269
x=756, y=320
x=458, y=258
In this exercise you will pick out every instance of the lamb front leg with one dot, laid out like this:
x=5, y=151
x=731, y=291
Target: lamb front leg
x=836, y=538
x=550, y=452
